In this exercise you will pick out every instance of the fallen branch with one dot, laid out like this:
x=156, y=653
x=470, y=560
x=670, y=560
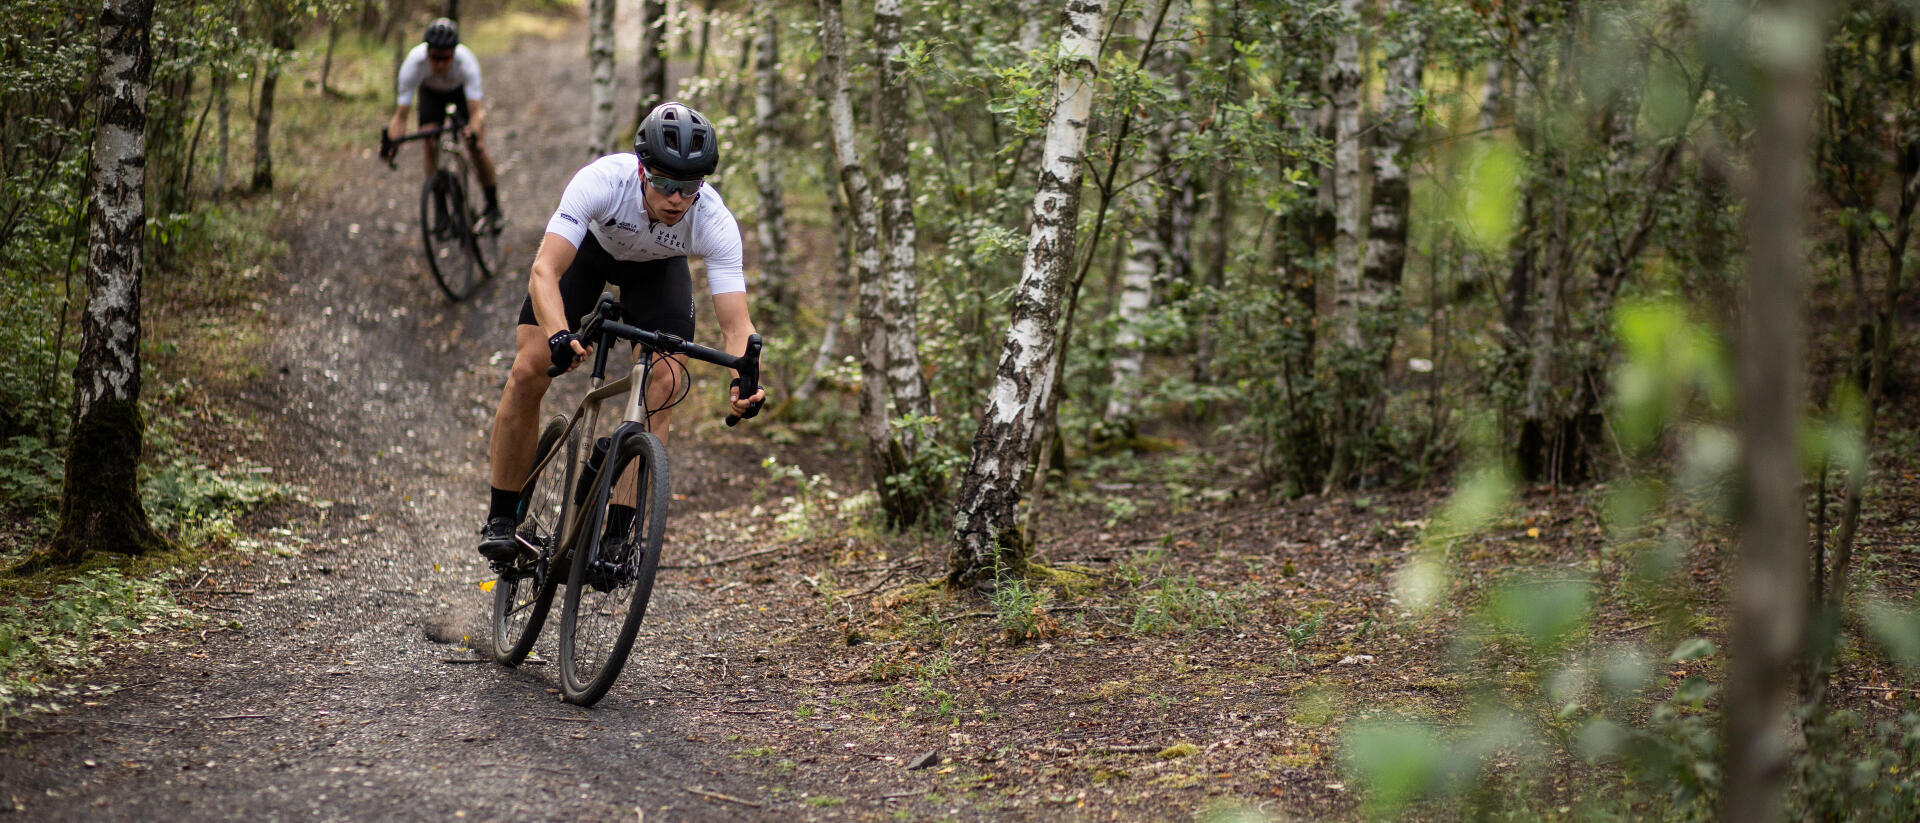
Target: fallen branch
x=718, y=796
x=239, y=716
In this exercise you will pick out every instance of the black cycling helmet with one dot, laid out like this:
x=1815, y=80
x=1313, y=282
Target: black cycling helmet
x=442, y=34
x=677, y=142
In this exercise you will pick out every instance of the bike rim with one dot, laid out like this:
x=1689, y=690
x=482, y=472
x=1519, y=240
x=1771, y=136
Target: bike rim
x=608, y=596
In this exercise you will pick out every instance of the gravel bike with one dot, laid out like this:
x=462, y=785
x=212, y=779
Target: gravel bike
x=463, y=244
x=592, y=516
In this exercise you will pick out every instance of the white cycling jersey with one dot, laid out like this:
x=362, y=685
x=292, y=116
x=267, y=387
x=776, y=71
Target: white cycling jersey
x=604, y=198
x=415, y=73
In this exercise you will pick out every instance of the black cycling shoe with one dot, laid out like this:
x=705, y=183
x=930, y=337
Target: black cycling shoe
x=491, y=221
x=497, y=542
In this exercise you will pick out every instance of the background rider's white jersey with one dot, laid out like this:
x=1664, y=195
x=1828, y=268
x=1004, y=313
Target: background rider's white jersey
x=414, y=73
x=604, y=198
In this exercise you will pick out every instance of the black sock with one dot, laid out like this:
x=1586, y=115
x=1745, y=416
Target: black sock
x=504, y=504
x=493, y=197
x=618, y=518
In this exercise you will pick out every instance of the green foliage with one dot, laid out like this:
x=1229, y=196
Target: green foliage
x=43, y=640
x=1021, y=608
x=196, y=504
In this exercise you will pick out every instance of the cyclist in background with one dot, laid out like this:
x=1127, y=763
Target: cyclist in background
x=630, y=220
x=440, y=71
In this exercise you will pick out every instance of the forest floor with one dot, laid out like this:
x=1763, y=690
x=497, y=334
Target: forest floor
x=1198, y=654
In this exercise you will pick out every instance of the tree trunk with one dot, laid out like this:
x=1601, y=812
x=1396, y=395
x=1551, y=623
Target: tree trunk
x=600, y=48
x=1344, y=80
x=986, y=538
x=885, y=456
x=653, y=58
x=326, y=64
x=1344, y=77
x=1399, y=120
x=1156, y=206
x=280, y=36
x=772, y=228
x=1769, y=576
x=706, y=34
x=896, y=213
x=843, y=286
x=225, y=107
x=100, y=506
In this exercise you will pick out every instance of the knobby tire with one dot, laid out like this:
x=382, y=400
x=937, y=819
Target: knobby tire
x=612, y=574
x=523, y=594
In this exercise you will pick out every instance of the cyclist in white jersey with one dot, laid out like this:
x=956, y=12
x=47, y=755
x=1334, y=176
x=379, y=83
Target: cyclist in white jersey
x=440, y=71
x=630, y=220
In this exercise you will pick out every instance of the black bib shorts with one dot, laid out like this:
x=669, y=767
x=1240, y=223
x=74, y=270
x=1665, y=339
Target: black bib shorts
x=658, y=294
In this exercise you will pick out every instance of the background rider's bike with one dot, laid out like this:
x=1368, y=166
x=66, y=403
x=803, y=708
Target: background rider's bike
x=463, y=248
x=593, y=511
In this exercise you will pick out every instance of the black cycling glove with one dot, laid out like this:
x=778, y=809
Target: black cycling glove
x=561, y=346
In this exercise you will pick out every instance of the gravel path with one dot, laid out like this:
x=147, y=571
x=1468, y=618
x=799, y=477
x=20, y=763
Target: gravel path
x=345, y=692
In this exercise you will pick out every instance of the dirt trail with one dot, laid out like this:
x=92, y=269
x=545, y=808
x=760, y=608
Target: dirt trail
x=330, y=701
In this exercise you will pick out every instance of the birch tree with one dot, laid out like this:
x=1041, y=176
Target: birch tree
x=886, y=456
x=986, y=535
x=600, y=45
x=1156, y=237
x=100, y=506
x=1343, y=81
x=896, y=213
x=1386, y=247
x=772, y=228
x=653, y=58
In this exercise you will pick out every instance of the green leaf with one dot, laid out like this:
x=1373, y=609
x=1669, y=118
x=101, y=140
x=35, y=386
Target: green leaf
x=1692, y=648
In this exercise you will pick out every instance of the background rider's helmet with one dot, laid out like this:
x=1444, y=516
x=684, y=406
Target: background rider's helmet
x=677, y=142
x=442, y=34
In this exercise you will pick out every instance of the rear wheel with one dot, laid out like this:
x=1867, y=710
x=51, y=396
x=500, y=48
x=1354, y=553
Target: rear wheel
x=612, y=578
x=523, y=593
x=445, y=223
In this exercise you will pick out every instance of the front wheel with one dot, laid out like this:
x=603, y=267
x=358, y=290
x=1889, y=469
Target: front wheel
x=613, y=570
x=446, y=225
x=523, y=593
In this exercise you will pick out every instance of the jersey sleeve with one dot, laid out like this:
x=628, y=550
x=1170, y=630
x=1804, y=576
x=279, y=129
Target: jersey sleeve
x=720, y=247
x=470, y=68
x=411, y=70
x=588, y=197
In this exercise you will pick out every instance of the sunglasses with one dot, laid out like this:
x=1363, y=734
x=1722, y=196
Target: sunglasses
x=439, y=56
x=669, y=187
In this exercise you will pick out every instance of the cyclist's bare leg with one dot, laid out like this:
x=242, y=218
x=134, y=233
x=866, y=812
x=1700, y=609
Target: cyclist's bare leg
x=431, y=156
x=516, y=422
x=482, y=161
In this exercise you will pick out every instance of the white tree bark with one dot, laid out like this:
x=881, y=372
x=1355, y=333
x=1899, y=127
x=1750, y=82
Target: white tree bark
x=986, y=536
x=904, y=377
x=1386, y=248
x=1491, y=98
x=772, y=227
x=653, y=58
x=1343, y=80
x=884, y=455
x=600, y=90
x=1153, y=205
x=100, y=504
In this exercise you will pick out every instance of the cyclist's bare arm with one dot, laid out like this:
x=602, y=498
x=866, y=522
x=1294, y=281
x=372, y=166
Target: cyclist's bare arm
x=398, y=128
x=476, y=118
x=730, y=309
x=543, y=288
